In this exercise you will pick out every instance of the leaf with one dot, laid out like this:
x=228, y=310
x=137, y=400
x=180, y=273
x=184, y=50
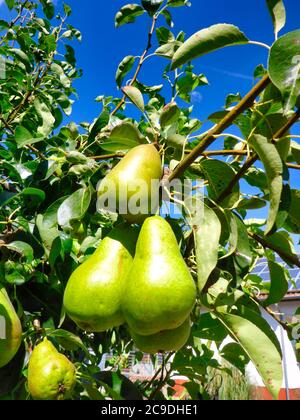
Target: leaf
x=207, y=235
x=292, y=223
x=68, y=340
x=35, y=193
x=48, y=8
x=272, y=162
x=178, y=3
x=135, y=96
x=124, y=68
x=152, y=6
x=279, y=283
x=21, y=248
x=278, y=14
x=259, y=342
x=127, y=14
x=23, y=137
x=235, y=355
x=46, y=116
x=219, y=174
x=10, y=4
x=122, y=138
x=206, y=41
x=47, y=224
x=100, y=123
x=209, y=328
x=284, y=67
x=74, y=207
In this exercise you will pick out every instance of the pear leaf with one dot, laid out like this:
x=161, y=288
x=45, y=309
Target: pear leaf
x=74, y=207
x=127, y=14
x=272, y=162
x=279, y=283
x=124, y=68
x=123, y=137
x=259, y=342
x=278, y=14
x=135, y=96
x=284, y=67
x=207, y=236
x=208, y=40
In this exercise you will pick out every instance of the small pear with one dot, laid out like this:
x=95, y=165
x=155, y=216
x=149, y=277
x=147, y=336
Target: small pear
x=51, y=376
x=129, y=188
x=10, y=329
x=93, y=294
x=168, y=340
x=160, y=292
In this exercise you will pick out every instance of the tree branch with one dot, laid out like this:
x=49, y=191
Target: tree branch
x=293, y=259
x=209, y=138
x=142, y=58
x=280, y=133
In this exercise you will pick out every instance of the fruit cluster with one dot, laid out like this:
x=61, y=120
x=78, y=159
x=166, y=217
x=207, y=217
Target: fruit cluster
x=137, y=277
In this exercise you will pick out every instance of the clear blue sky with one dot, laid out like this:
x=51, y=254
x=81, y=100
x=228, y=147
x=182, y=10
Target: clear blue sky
x=228, y=71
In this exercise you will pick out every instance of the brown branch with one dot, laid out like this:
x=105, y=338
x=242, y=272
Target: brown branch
x=209, y=138
x=293, y=166
x=280, y=133
x=293, y=259
x=141, y=61
x=109, y=156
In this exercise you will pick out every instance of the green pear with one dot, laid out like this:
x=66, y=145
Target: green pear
x=10, y=329
x=168, y=340
x=160, y=292
x=129, y=187
x=51, y=376
x=93, y=294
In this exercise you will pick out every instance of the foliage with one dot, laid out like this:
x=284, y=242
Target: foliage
x=49, y=174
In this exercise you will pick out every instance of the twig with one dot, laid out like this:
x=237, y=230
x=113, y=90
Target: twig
x=209, y=138
x=280, y=133
x=293, y=259
x=142, y=58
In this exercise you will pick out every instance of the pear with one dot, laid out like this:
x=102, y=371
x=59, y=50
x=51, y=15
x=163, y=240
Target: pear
x=160, y=291
x=51, y=376
x=10, y=329
x=129, y=188
x=168, y=340
x=93, y=294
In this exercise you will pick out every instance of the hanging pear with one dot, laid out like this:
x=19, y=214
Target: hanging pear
x=93, y=294
x=51, y=375
x=168, y=340
x=160, y=291
x=129, y=188
x=10, y=329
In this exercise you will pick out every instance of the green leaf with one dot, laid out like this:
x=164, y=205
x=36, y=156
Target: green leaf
x=206, y=41
x=21, y=248
x=22, y=56
x=68, y=340
x=284, y=67
x=47, y=224
x=219, y=174
x=100, y=123
x=207, y=236
x=278, y=14
x=235, y=355
x=135, y=96
x=46, y=117
x=74, y=207
x=48, y=8
x=124, y=68
x=272, y=162
x=35, y=193
x=123, y=137
x=178, y=3
x=23, y=137
x=10, y=4
x=209, y=328
x=292, y=223
x=279, y=283
x=152, y=6
x=259, y=342
x=128, y=13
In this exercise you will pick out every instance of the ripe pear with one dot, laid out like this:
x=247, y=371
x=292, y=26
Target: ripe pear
x=51, y=376
x=160, y=292
x=168, y=340
x=93, y=294
x=129, y=184
x=10, y=329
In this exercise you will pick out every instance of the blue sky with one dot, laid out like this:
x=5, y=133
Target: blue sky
x=228, y=71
